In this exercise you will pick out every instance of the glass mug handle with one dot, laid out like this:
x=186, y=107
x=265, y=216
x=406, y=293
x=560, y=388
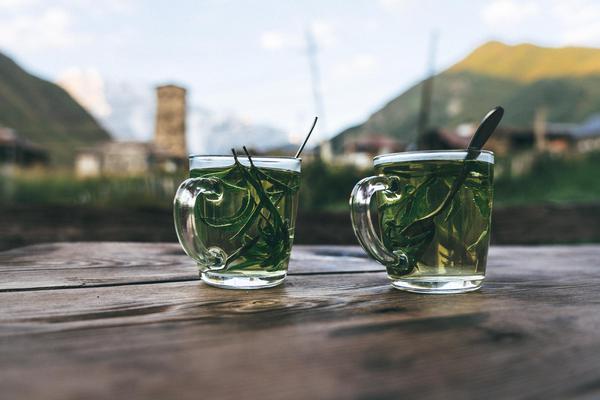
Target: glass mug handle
x=185, y=222
x=362, y=223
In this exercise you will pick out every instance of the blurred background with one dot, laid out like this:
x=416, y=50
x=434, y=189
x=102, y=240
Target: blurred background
x=100, y=103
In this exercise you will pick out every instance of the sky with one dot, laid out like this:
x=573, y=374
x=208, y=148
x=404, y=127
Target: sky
x=249, y=58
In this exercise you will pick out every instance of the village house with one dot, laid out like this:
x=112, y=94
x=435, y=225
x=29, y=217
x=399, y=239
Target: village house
x=167, y=153
x=17, y=151
x=554, y=138
x=521, y=143
x=359, y=151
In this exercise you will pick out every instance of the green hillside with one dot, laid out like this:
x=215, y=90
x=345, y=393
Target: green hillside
x=528, y=63
x=44, y=113
x=521, y=78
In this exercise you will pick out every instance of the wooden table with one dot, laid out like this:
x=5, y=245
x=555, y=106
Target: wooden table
x=131, y=321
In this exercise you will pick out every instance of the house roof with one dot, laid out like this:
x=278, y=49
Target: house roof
x=9, y=136
x=453, y=139
x=374, y=140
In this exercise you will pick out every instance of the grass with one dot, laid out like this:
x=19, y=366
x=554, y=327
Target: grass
x=327, y=188
x=62, y=188
x=553, y=180
x=323, y=188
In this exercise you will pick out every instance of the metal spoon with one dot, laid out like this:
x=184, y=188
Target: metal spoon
x=425, y=226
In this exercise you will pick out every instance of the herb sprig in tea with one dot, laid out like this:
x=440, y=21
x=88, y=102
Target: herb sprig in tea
x=273, y=241
x=250, y=219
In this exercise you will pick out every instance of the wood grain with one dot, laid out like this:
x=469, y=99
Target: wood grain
x=76, y=265
x=334, y=330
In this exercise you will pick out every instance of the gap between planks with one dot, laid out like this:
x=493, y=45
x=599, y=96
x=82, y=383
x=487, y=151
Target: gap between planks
x=160, y=281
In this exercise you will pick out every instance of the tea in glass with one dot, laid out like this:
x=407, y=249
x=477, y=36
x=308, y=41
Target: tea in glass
x=236, y=218
x=431, y=238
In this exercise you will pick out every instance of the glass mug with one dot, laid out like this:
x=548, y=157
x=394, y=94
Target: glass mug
x=235, y=217
x=433, y=238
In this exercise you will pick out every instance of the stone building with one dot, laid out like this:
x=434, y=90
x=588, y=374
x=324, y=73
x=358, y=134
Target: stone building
x=167, y=152
x=114, y=158
x=169, y=133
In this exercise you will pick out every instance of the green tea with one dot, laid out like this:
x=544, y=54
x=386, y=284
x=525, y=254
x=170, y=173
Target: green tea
x=456, y=245
x=250, y=223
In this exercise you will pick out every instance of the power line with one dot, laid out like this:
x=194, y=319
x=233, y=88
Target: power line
x=315, y=77
x=427, y=91
x=311, y=52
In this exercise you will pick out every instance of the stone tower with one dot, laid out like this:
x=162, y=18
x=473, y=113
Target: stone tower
x=169, y=134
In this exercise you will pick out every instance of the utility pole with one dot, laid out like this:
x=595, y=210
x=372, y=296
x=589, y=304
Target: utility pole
x=315, y=78
x=427, y=92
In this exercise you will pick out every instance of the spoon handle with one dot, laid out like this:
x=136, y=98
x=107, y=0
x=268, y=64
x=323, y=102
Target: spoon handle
x=489, y=123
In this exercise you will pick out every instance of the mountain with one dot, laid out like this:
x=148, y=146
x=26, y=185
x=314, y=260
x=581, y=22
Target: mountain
x=131, y=111
x=210, y=132
x=529, y=63
x=44, y=113
x=522, y=78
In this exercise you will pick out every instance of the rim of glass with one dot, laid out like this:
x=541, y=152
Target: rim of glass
x=201, y=161
x=431, y=155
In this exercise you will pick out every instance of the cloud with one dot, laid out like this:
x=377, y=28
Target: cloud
x=273, y=40
x=102, y=8
x=503, y=13
x=573, y=22
x=34, y=25
x=323, y=32
x=583, y=35
x=16, y=5
x=359, y=64
x=87, y=87
x=394, y=5
x=88, y=6
x=50, y=29
x=578, y=20
x=363, y=62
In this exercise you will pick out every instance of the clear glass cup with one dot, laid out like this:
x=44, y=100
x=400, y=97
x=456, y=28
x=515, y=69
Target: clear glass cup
x=236, y=218
x=430, y=237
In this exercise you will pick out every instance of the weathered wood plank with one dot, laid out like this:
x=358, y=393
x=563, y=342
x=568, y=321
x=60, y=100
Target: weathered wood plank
x=64, y=265
x=76, y=265
x=318, y=336
x=532, y=332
